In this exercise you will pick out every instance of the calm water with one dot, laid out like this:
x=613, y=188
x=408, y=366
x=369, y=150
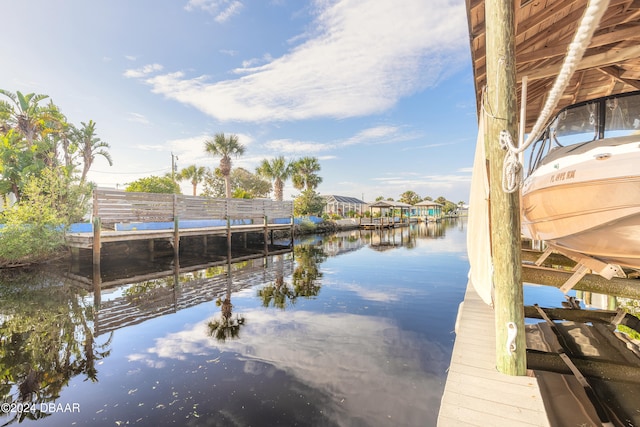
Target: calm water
x=352, y=329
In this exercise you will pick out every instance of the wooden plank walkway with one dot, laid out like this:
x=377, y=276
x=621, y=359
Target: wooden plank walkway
x=476, y=394
x=150, y=216
x=86, y=240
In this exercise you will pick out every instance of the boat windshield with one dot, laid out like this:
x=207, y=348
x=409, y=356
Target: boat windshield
x=601, y=118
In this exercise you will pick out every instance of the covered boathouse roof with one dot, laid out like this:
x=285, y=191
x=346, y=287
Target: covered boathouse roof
x=428, y=203
x=543, y=31
x=389, y=204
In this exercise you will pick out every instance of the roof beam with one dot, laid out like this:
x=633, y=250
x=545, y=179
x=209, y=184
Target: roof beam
x=560, y=49
x=549, y=13
x=610, y=57
x=614, y=72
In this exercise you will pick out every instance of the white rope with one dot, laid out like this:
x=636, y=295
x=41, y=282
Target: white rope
x=511, y=165
x=594, y=12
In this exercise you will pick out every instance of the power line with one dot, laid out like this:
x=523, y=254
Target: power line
x=131, y=173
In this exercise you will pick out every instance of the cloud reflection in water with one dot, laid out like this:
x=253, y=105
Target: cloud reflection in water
x=365, y=367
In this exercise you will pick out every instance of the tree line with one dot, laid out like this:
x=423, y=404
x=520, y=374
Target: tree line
x=44, y=162
x=35, y=137
x=225, y=181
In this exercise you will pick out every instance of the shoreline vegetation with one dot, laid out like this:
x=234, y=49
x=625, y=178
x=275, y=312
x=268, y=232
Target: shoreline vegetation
x=24, y=246
x=45, y=161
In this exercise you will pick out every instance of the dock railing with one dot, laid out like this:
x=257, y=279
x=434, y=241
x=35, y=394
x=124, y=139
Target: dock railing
x=160, y=214
x=118, y=207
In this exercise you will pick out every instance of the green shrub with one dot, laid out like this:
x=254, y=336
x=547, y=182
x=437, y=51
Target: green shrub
x=34, y=227
x=307, y=227
x=29, y=243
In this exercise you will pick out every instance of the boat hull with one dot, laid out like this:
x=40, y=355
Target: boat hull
x=588, y=203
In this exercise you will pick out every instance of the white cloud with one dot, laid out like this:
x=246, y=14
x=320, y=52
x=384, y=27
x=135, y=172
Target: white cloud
x=378, y=134
x=363, y=57
x=222, y=10
x=150, y=147
x=138, y=118
x=373, y=135
x=248, y=63
x=231, y=9
x=413, y=180
x=288, y=146
x=143, y=71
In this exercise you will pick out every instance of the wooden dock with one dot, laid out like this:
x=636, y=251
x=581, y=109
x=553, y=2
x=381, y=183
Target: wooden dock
x=120, y=216
x=476, y=394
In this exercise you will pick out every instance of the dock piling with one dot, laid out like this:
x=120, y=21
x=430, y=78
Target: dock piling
x=499, y=107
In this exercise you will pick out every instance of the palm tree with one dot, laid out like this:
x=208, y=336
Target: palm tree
x=90, y=146
x=279, y=170
x=304, y=175
x=193, y=173
x=26, y=115
x=225, y=147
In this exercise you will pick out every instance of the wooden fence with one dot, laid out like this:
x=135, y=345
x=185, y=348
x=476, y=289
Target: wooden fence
x=116, y=206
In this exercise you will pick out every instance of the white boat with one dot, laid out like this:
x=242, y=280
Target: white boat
x=582, y=192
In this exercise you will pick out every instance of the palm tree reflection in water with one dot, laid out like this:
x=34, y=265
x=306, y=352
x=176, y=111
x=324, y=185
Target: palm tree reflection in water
x=226, y=326
x=306, y=279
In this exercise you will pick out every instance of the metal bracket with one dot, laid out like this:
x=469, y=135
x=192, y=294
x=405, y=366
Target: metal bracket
x=512, y=332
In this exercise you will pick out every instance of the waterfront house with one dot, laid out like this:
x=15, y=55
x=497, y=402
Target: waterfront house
x=342, y=205
x=429, y=210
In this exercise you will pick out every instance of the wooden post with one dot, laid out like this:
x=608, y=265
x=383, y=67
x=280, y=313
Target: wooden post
x=266, y=235
x=625, y=288
x=96, y=229
x=75, y=259
x=500, y=110
x=176, y=237
x=292, y=223
x=229, y=236
x=96, y=240
x=97, y=286
x=176, y=228
x=176, y=282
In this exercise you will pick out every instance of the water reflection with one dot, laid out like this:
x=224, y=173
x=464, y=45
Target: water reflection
x=47, y=339
x=226, y=326
x=407, y=237
x=335, y=332
x=305, y=281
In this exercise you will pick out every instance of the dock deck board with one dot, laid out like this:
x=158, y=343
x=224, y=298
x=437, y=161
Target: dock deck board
x=85, y=240
x=476, y=394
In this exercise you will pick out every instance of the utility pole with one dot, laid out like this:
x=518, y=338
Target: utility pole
x=173, y=167
x=499, y=106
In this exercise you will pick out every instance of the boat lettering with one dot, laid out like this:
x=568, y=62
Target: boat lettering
x=563, y=176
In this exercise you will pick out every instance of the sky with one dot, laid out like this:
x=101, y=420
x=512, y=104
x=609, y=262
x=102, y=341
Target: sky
x=380, y=92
